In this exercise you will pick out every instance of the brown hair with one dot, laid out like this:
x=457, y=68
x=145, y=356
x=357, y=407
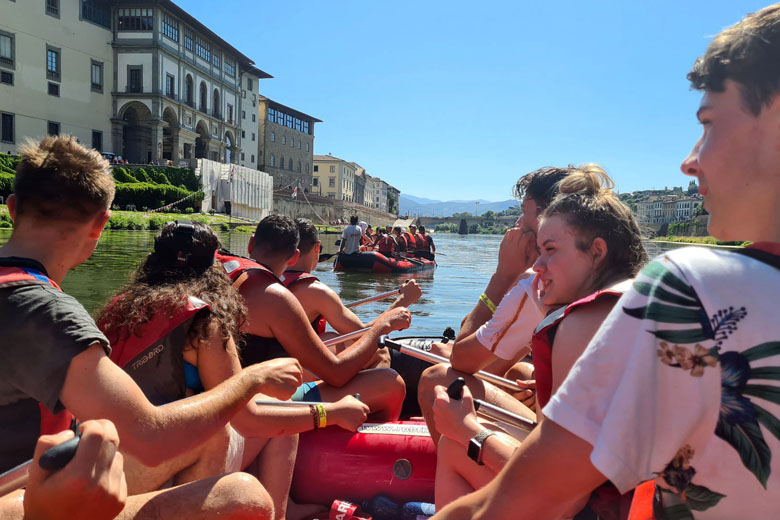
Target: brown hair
x=58, y=178
x=308, y=235
x=164, y=281
x=541, y=185
x=589, y=205
x=748, y=53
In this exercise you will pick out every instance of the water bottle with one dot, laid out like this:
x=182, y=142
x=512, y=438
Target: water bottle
x=417, y=511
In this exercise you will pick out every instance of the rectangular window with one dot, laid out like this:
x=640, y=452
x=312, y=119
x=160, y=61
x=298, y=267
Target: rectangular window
x=54, y=89
x=202, y=49
x=7, y=132
x=316, y=168
x=135, y=19
x=273, y=160
x=7, y=51
x=6, y=77
x=97, y=140
x=230, y=68
x=332, y=169
x=254, y=118
x=288, y=120
x=242, y=156
x=170, y=27
x=135, y=79
x=253, y=136
x=96, y=75
x=170, y=86
x=53, y=8
x=188, y=39
x=243, y=134
x=332, y=182
x=253, y=158
x=307, y=147
x=305, y=127
x=243, y=114
x=216, y=60
x=297, y=124
x=52, y=63
x=229, y=113
x=292, y=142
x=249, y=84
x=315, y=181
x=53, y=128
x=96, y=11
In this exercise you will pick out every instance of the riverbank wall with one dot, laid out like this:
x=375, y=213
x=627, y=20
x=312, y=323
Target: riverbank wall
x=322, y=210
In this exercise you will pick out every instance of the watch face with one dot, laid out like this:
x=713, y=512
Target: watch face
x=473, y=450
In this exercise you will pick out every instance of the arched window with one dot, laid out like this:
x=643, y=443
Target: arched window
x=281, y=162
x=273, y=160
x=203, y=97
x=307, y=167
x=188, y=94
x=289, y=164
x=216, y=103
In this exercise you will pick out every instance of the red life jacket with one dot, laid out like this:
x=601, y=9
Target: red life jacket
x=235, y=266
x=426, y=243
x=419, y=241
x=153, y=356
x=544, y=335
x=290, y=278
x=25, y=274
x=387, y=245
x=411, y=244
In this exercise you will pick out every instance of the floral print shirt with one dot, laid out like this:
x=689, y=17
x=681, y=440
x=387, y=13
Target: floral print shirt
x=681, y=385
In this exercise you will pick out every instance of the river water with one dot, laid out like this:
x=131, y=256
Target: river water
x=449, y=291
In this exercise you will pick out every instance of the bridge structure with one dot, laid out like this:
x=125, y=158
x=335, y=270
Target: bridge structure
x=506, y=221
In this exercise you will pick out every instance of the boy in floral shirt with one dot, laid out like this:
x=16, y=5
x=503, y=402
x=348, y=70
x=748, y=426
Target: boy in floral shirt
x=680, y=385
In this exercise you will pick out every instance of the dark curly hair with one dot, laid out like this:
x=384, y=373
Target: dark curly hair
x=589, y=205
x=181, y=265
x=541, y=185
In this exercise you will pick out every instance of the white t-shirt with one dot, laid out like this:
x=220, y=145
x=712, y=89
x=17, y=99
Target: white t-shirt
x=351, y=236
x=682, y=385
x=511, y=327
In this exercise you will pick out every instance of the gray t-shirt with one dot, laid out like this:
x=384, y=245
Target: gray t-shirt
x=351, y=236
x=41, y=330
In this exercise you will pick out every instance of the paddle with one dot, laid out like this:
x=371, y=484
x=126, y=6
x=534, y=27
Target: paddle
x=455, y=391
x=346, y=337
x=373, y=299
x=384, y=341
x=57, y=457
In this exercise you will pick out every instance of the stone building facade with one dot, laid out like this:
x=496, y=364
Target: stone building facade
x=286, y=144
x=141, y=79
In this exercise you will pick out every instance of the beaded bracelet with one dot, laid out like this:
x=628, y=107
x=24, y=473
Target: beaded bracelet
x=488, y=303
x=315, y=416
x=322, y=415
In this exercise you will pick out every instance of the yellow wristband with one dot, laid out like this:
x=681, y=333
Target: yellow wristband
x=488, y=303
x=323, y=415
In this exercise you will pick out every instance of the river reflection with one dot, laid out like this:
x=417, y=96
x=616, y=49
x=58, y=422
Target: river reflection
x=449, y=292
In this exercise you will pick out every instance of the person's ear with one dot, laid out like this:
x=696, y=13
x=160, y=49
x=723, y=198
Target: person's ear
x=99, y=223
x=598, y=250
x=11, y=203
x=251, y=244
x=294, y=258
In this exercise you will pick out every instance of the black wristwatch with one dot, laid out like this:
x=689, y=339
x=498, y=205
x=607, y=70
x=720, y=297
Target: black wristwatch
x=475, y=445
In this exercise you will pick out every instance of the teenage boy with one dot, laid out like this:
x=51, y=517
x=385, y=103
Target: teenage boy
x=321, y=303
x=680, y=384
x=351, y=237
x=277, y=326
x=54, y=360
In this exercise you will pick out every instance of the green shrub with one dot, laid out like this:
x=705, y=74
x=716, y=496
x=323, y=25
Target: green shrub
x=122, y=175
x=157, y=222
x=148, y=195
x=6, y=184
x=158, y=176
x=224, y=226
x=189, y=211
x=141, y=175
x=5, y=224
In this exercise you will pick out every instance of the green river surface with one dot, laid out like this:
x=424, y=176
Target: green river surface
x=449, y=291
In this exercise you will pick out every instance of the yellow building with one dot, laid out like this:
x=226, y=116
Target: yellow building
x=333, y=178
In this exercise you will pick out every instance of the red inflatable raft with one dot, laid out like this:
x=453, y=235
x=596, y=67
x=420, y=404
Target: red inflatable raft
x=396, y=459
x=379, y=263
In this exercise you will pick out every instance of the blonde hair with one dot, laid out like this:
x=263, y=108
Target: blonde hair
x=58, y=178
x=586, y=200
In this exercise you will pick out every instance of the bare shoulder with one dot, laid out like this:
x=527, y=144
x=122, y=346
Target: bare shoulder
x=583, y=322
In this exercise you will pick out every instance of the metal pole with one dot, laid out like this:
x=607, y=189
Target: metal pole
x=434, y=359
x=373, y=299
x=346, y=337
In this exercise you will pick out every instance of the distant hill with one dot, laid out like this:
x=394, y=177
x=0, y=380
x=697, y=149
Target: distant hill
x=419, y=206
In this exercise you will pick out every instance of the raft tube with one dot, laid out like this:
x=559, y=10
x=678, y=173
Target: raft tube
x=395, y=459
x=379, y=263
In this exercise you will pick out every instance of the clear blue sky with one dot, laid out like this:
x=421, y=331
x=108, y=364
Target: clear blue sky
x=456, y=100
